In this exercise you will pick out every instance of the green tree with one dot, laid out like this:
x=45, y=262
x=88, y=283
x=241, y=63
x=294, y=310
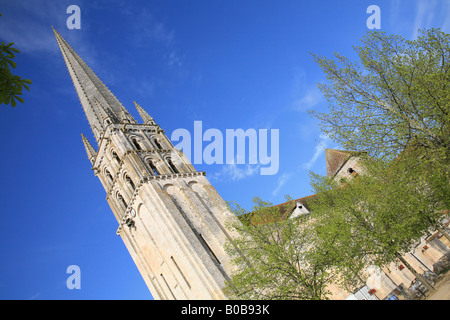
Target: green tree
x=394, y=104
x=273, y=256
x=378, y=216
x=11, y=86
x=396, y=95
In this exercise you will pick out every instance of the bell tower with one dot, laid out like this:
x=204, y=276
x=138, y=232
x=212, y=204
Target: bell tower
x=169, y=216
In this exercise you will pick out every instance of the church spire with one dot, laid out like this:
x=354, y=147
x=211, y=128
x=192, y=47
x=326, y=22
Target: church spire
x=97, y=100
x=106, y=116
x=89, y=149
x=144, y=115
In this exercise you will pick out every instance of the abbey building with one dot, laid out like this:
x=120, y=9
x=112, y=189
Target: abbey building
x=169, y=216
x=172, y=220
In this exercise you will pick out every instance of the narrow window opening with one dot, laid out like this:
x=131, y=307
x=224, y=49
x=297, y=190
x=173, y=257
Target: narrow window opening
x=153, y=167
x=108, y=175
x=167, y=285
x=209, y=250
x=116, y=157
x=158, y=144
x=122, y=200
x=136, y=144
x=130, y=182
x=172, y=166
x=179, y=270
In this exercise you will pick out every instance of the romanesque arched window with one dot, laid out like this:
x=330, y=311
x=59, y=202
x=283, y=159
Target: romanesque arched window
x=136, y=144
x=130, y=182
x=152, y=166
x=158, y=144
x=109, y=176
x=172, y=166
x=122, y=200
x=115, y=157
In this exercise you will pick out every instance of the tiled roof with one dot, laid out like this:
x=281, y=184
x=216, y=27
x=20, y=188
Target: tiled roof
x=335, y=159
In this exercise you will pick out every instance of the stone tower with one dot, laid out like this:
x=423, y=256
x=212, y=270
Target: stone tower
x=170, y=217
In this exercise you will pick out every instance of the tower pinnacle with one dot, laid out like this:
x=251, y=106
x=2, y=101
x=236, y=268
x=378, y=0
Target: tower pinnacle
x=144, y=115
x=89, y=149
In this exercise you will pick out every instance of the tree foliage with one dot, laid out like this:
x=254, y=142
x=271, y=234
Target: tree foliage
x=273, y=256
x=11, y=86
x=396, y=95
x=393, y=104
x=380, y=214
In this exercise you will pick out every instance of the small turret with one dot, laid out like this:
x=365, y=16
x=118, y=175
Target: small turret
x=146, y=118
x=90, y=151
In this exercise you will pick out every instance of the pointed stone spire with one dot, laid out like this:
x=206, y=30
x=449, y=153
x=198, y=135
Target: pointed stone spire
x=90, y=87
x=144, y=115
x=106, y=116
x=89, y=149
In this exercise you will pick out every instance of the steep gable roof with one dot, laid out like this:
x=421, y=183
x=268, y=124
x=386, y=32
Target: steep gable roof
x=284, y=211
x=335, y=159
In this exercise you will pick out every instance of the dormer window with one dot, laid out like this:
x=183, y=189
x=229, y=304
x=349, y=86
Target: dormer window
x=299, y=210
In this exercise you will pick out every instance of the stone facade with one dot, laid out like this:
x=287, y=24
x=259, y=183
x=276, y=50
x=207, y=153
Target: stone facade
x=170, y=217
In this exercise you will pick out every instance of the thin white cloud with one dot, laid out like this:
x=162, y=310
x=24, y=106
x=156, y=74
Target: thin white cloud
x=35, y=296
x=318, y=150
x=174, y=59
x=281, y=182
x=446, y=24
x=149, y=29
x=305, y=95
x=309, y=100
x=424, y=14
x=432, y=13
x=27, y=24
x=236, y=172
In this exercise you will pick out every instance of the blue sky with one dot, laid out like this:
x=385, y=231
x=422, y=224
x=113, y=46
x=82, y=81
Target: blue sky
x=230, y=64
